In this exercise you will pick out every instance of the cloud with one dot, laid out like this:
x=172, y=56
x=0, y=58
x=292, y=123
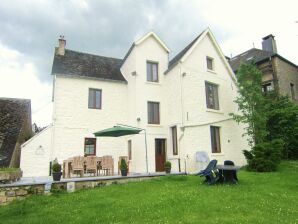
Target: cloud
x=30, y=30
x=19, y=79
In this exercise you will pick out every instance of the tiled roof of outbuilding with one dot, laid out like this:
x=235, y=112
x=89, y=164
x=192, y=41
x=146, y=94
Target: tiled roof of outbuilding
x=75, y=63
x=13, y=114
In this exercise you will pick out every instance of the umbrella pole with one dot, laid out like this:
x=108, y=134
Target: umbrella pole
x=146, y=150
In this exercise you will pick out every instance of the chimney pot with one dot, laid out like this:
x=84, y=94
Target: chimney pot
x=62, y=44
x=269, y=44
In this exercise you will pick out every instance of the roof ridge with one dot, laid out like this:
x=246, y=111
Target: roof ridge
x=96, y=55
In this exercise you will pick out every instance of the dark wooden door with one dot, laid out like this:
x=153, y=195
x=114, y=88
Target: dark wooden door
x=160, y=154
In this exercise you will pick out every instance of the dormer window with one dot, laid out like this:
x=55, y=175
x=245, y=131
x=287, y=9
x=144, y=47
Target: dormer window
x=210, y=65
x=152, y=71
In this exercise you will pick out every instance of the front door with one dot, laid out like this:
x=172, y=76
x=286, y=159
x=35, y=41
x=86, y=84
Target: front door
x=160, y=154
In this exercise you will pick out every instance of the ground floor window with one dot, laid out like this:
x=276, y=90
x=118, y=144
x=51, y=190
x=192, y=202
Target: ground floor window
x=129, y=149
x=174, y=140
x=90, y=147
x=215, y=139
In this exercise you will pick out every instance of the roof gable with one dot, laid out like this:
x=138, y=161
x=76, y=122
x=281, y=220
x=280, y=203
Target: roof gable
x=74, y=63
x=184, y=54
x=152, y=34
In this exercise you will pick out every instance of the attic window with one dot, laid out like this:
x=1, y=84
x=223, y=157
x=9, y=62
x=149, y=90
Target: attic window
x=210, y=65
x=152, y=71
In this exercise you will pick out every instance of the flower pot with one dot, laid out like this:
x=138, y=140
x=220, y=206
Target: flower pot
x=124, y=172
x=168, y=169
x=57, y=176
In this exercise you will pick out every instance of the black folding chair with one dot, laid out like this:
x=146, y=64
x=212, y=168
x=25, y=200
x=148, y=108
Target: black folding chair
x=211, y=174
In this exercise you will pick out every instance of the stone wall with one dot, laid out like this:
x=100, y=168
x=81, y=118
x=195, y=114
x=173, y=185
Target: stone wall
x=12, y=192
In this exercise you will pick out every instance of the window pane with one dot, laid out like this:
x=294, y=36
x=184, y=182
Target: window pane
x=91, y=98
x=210, y=63
x=129, y=149
x=212, y=96
x=153, y=113
x=215, y=139
x=174, y=139
x=152, y=72
x=90, y=146
x=97, y=99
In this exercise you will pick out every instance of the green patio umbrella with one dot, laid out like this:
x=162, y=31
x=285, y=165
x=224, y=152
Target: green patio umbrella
x=118, y=131
x=122, y=130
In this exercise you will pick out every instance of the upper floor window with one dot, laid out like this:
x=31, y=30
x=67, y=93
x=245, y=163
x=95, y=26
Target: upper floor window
x=210, y=65
x=215, y=139
x=153, y=113
x=292, y=91
x=212, y=96
x=90, y=147
x=267, y=87
x=94, y=101
x=152, y=71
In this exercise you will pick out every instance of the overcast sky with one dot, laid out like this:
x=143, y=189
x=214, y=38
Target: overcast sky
x=30, y=30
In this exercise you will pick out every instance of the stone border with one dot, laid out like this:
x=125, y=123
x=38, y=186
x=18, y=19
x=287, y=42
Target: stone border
x=12, y=192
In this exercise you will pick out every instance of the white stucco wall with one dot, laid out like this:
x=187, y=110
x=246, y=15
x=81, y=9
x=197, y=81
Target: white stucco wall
x=35, y=154
x=182, y=103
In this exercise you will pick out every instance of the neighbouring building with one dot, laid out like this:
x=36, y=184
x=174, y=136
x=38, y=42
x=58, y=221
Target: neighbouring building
x=183, y=104
x=15, y=129
x=278, y=73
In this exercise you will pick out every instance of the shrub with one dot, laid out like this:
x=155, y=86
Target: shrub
x=168, y=164
x=123, y=165
x=264, y=157
x=56, y=167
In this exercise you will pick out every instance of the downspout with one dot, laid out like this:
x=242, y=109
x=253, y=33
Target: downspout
x=53, y=126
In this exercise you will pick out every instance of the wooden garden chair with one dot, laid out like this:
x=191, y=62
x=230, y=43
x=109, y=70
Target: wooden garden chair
x=78, y=165
x=91, y=164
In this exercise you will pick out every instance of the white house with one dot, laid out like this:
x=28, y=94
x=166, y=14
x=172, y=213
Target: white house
x=183, y=104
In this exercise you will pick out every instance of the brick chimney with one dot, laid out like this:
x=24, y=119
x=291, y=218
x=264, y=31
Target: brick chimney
x=269, y=44
x=62, y=43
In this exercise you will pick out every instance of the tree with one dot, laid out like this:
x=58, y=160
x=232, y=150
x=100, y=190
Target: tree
x=283, y=123
x=251, y=103
x=264, y=155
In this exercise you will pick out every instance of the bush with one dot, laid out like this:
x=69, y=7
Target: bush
x=264, y=157
x=168, y=164
x=123, y=165
x=56, y=168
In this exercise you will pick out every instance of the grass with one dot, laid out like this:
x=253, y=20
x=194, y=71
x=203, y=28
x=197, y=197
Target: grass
x=257, y=198
x=8, y=169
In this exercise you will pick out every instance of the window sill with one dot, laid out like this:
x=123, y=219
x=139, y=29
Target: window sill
x=153, y=83
x=215, y=111
x=217, y=154
x=212, y=71
x=154, y=125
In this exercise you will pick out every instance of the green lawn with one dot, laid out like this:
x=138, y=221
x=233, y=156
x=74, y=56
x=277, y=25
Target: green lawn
x=257, y=198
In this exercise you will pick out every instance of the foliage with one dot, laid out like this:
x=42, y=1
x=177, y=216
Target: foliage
x=251, y=103
x=269, y=198
x=56, y=168
x=123, y=165
x=28, y=135
x=9, y=169
x=264, y=157
x=168, y=164
x=283, y=123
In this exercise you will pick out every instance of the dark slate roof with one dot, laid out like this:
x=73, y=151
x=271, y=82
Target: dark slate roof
x=13, y=114
x=177, y=58
x=75, y=63
x=253, y=54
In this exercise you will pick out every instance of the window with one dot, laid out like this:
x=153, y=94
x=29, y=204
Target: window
x=129, y=149
x=292, y=91
x=215, y=139
x=209, y=63
x=267, y=87
x=153, y=113
x=94, y=101
x=152, y=71
x=90, y=147
x=212, y=96
x=174, y=140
